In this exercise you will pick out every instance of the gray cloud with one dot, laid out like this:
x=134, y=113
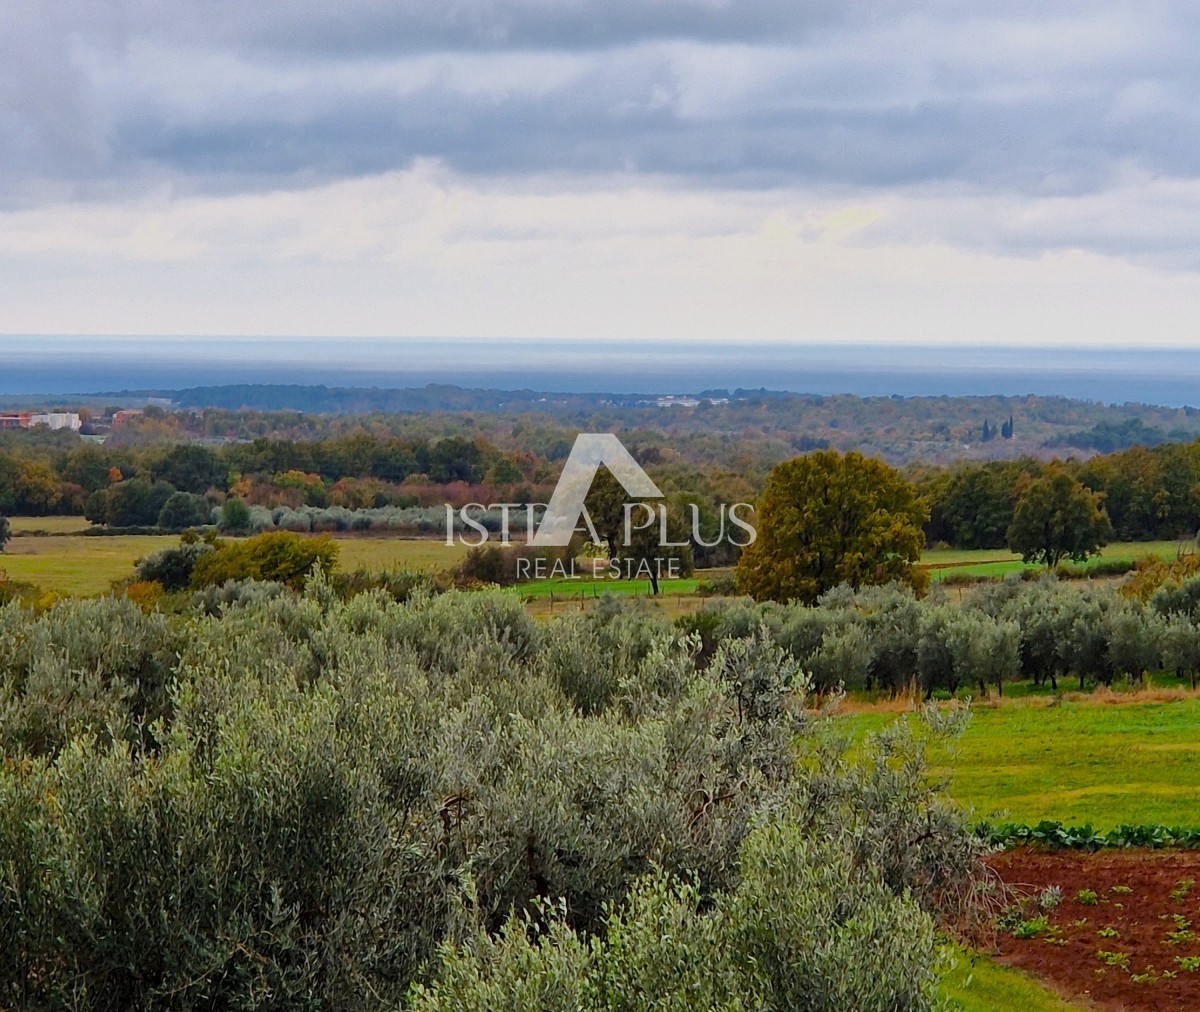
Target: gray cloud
x=1047, y=99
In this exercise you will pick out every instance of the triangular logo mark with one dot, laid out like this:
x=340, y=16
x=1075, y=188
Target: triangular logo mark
x=591, y=449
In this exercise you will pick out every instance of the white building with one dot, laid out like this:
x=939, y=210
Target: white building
x=58, y=420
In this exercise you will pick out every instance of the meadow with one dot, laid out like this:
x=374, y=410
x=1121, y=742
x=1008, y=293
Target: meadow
x=1098, y=760
x=993, y=563
x=1102, y=760
x=83, y=566
x=52, y=553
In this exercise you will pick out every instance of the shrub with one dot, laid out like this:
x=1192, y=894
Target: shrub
x=172, y=568
x=84, y=667
x=235, y=516
x=280, y=557
x=504, y=565
x=182, y=511
x=17, y=591
x=805, y=928
x=292, y=799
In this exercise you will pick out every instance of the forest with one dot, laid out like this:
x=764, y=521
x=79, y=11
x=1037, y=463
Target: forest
x=1148, y=493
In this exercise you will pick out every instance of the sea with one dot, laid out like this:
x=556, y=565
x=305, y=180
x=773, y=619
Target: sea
x=74, y=364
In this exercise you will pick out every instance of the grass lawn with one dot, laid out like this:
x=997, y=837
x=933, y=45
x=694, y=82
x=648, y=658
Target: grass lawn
x=1077, y=762
x=997, y=562
x=50, y=525
x=984, y=986
x=575, y=589
x=74, y=565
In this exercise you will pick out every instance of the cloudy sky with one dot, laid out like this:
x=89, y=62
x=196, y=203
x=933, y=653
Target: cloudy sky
x=718, y=169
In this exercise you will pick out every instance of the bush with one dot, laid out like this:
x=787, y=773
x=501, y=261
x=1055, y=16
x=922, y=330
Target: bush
x=292, y=799
x=172, y=568
x=805, y=928
x=235, y=516
x=505, y=566
x=281, y=557
x=182, y=511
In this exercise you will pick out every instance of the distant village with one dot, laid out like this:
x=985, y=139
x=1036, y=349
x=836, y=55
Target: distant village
x=75, y=421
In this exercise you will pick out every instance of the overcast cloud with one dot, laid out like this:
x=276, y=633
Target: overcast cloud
x=420, y=161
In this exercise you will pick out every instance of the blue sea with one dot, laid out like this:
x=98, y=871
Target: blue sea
x=78, y=365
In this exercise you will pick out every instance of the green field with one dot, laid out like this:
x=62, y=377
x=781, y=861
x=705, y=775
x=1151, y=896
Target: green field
x=76, y=565
x=976, y=984
x=575, y=589
x=379, y=554
x=68, y=564
x=71, y=565
x=48, y=525
x=1076, y=762
x=995, y=563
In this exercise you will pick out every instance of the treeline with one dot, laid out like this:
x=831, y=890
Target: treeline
x=355, y=483
x=1148, y=493
x=308, y=803
x=891, y=427
x=130, y=486
x=887, y=639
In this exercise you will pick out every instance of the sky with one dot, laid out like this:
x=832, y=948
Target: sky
x=780, y=170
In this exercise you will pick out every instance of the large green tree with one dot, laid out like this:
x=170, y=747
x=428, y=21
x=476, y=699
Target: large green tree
x=826, y=519
x=1057, y=518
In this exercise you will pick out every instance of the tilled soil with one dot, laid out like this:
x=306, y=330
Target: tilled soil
x=1135, y=945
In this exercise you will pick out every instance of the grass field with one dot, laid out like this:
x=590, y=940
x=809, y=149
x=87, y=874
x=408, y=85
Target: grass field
x=575, y=589
x=71, y=564
x=66, y=564
x=378, y=554
x=1078, y=762
x=82, y=566
x=976, y=984
x=74, y=565
x=998, y=562
x=1098, y=761
x=49, y=525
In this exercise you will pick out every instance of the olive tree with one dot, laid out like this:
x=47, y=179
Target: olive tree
x=1180, y=639
x=1134, y=640
x=983, y=650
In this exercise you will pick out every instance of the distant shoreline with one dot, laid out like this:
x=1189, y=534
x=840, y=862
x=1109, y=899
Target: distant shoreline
x=50, y=366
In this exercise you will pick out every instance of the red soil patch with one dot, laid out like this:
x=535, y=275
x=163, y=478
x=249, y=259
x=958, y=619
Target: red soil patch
x=1130, y=948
